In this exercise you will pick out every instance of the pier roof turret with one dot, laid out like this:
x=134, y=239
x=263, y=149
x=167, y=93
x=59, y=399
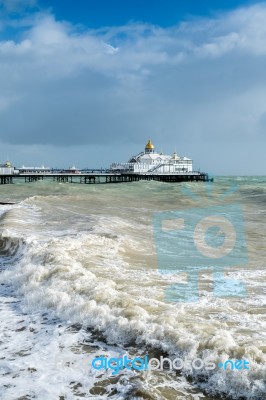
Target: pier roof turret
x=149, y=145
x=149, y=148
x=175, y=156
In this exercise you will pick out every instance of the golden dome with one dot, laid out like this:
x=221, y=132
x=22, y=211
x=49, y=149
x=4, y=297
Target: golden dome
x=149, y=145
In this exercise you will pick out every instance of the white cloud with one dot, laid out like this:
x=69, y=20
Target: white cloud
x=243, y=30
x=200, y=82
x=48, y=32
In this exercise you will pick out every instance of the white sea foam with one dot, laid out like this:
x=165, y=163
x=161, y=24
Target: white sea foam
x=102, y=274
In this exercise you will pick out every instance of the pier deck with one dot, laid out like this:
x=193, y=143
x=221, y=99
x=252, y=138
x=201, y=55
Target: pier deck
x=104, y=177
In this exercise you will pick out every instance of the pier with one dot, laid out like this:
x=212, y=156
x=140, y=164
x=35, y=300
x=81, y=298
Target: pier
x=4, y=179
x=148, y=165
x=104, y=177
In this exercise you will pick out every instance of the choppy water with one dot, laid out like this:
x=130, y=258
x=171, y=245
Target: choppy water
x=80, y=278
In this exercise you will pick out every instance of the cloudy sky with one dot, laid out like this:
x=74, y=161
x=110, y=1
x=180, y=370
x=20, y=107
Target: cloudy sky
x=87, y=82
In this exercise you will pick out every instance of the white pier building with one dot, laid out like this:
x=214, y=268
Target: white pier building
x=6, y=169
x=151, y=162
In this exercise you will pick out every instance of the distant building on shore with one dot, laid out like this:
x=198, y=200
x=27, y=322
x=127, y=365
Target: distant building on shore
x=151, y=162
